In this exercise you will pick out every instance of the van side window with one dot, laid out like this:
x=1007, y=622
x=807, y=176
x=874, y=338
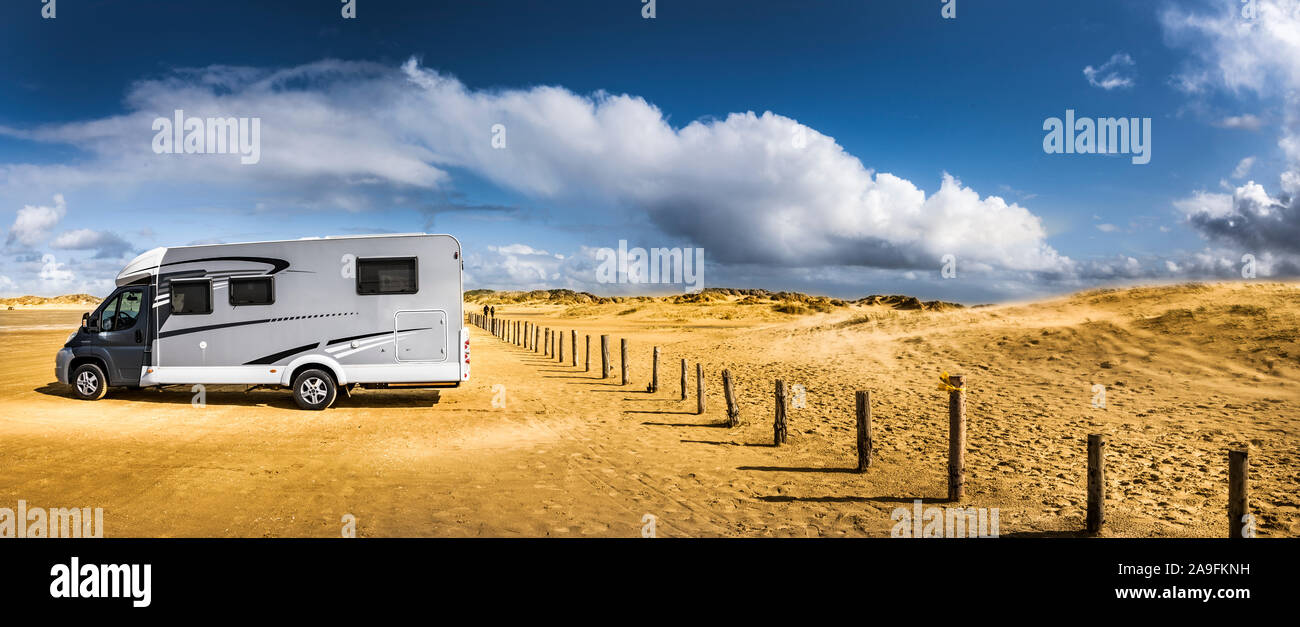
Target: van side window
x=191, y=296
x=108, y=314
x=257, y=290
x=387, y=275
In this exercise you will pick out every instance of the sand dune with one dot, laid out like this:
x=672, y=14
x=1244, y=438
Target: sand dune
x=1188, y=371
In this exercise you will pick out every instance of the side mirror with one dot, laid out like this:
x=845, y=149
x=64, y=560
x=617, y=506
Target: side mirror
x=91, y=324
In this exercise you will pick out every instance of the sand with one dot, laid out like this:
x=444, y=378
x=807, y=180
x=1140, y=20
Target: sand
x=1189, y=372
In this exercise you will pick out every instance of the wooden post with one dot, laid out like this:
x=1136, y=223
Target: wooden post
x=573, y=343
x=528, y=334
x=622, y=358
x=654, y=372
x=683, y=379
x=587, y=359
x=1096, y=482
x=863, y=398
x=604, y=356
x=699, y=388
x=957, y=438
x=1238, y=493
x=733, y=412
x=561, y=346
x=778, y=423
x=546, y=341
x=554, y=336
x=537, y=334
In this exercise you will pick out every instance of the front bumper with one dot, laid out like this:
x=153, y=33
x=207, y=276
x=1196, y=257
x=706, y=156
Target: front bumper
x=61, y=362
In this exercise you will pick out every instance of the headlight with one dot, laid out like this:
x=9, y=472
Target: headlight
x=70, y=336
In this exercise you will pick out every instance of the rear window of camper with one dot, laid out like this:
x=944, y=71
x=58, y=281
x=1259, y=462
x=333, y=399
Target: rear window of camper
x=191, y=297
x=387, y=275
x=251, y=291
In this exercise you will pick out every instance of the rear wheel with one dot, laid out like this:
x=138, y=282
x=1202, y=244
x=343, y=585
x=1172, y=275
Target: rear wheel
x=89, y=382
x=314, y=389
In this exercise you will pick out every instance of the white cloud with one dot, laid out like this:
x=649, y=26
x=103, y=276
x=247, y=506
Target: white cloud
x=1115, y=73
x=1261, y=56
x=106, y=244
x=1107, y=228
x=1246, y=122
x=1243, y=168
x=34, y=222
x=355, y=134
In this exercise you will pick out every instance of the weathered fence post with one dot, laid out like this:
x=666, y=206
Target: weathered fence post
x=957, y=438
x=654, y=372
x=587, y=359
x=561, y=347
x=622, y=358
x=546, y=342
x=683, y=379
x=604, y=356
x=1096, y=482
x=554, y=336
x=699, y=388
x=733, y=412
x=863, y=398
x=573, y=343
x=536, y=336
x=1238, y=493
x=778, y=423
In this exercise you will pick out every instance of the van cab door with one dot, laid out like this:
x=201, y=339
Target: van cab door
x=123, y=326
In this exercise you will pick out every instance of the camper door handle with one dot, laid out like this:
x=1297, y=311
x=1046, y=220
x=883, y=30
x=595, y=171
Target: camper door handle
x=138, y=337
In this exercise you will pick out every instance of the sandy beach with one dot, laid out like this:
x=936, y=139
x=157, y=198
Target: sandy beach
x=535, y=447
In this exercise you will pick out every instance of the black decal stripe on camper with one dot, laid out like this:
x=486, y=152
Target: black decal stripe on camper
x=362, y=337
x=272, y=358
x=356, y=337
x=277, y=265
x=209, y=327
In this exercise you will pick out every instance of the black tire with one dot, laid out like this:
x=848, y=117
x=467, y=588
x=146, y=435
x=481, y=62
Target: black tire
x=88, y=382
x=314, y=389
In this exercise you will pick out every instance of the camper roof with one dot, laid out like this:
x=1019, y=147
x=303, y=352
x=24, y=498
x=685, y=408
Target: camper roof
x=146, y=264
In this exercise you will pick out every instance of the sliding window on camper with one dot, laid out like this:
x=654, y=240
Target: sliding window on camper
x=387, y=275
x=191, y=296
x=251, y=290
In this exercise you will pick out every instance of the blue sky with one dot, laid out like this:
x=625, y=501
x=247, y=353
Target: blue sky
x=654, y=131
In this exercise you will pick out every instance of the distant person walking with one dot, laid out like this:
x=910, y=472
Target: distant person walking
x=485, y=311
x=494, y=312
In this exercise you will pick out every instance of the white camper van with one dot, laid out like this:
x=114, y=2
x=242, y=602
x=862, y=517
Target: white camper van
x=318, y=315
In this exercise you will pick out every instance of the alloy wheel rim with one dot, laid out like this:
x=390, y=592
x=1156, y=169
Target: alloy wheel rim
x=87, y=382
x=313, y=390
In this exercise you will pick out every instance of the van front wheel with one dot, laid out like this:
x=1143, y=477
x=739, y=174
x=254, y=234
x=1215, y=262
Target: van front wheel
x=89, y=382
x=314, y=389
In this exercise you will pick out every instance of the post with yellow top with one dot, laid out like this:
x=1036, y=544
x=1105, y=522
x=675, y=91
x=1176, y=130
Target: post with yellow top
x=956, y=386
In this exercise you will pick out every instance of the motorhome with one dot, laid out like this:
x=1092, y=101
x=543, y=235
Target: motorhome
x=317, y=315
